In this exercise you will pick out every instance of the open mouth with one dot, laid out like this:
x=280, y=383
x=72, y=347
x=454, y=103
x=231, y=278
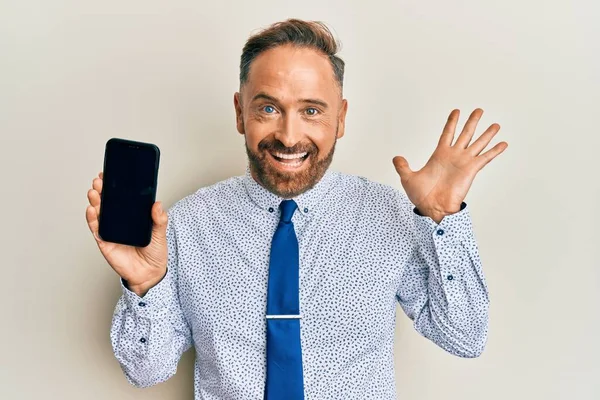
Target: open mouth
x=292, y=160
x=289, y=161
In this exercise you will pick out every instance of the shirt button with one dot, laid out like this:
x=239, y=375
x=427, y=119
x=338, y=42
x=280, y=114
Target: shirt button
x=306, y=210
x=450, y=277
x=142, y=304
x=143, y=340
x=271, y=209
x=440, y=232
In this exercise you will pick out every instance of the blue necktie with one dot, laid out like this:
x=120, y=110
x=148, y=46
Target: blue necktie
x=284, y=352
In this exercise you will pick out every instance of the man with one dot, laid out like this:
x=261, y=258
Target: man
x=285, y=279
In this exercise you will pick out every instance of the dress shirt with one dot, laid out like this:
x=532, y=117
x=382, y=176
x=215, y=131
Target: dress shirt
x=363, y=249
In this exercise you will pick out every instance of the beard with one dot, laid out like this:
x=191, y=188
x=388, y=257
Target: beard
x=288, y=184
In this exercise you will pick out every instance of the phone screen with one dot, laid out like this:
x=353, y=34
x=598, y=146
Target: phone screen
x=128, y=192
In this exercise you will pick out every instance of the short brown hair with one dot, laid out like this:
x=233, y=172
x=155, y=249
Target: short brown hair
x=311, y=34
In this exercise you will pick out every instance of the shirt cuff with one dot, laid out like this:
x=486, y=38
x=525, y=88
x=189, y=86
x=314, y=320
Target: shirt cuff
x=452, y=228
x=155, y=301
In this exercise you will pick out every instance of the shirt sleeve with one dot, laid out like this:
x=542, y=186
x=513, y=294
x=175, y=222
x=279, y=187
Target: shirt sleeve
x=442, y=288
x=149, y=334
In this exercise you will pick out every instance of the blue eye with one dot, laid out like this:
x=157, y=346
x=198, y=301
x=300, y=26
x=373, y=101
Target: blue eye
x=314, y=111
x=269, y=109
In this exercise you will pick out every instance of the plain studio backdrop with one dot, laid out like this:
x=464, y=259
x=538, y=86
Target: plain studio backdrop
x=74, y=74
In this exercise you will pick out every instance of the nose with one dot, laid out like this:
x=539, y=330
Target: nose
x=290, y=130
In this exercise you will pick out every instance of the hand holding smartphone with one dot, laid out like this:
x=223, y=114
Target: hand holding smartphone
x=127, y=223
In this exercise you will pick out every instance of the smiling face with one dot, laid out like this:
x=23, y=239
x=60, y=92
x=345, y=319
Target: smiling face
x=291, y=111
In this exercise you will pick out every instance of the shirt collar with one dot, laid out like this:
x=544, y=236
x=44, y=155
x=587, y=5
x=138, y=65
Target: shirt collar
x=308, y=202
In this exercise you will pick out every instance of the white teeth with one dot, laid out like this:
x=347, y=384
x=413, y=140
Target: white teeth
x=290, y=164
x=290, y=156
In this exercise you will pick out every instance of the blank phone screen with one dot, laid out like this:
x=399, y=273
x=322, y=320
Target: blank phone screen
x=128, y=193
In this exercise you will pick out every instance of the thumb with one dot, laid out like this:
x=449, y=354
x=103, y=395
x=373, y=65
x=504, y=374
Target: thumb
x=159, y=218
x=402, y=167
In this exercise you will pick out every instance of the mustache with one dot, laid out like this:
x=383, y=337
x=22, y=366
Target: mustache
x=277, y=146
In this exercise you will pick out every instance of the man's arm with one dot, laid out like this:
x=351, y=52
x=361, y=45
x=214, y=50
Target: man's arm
x=149, y=334
x=442, y=288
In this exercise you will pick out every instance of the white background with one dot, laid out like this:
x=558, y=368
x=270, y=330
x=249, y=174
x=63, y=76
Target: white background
x=75, y=73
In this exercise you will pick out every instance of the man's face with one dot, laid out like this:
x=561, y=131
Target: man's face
x=290, y=106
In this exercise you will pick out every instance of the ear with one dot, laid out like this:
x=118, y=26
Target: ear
x=239, y=117
x=342, y=118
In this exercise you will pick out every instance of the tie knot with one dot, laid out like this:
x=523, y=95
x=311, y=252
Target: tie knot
x=287, y=208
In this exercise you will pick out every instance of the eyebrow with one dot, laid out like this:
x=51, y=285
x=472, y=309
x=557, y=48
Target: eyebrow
x=264, y=96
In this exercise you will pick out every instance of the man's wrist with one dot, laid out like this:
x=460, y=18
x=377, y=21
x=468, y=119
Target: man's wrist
x=437, y=214
x=139, y=290
x=143, y=288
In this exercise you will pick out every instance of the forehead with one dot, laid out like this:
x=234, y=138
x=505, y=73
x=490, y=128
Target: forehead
x=289, y=72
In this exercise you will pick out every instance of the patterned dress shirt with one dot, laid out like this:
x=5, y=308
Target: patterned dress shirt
x=363, y=248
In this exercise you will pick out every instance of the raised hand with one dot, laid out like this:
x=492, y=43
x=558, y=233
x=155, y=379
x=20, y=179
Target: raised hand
x=439, y=188
x=141, y=267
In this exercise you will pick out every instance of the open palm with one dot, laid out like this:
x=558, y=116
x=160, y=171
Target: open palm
x=440, y=187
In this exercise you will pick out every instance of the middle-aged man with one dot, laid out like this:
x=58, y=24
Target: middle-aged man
x=285, y=279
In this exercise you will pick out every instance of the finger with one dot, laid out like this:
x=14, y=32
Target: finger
x=92, y=219
x=469, y=129
x=159, y=219
x=94, y=199
x=477, y=146
x=402, y=167
x=448, y=133
x=101, y=175
x=489, y=155
x=97, y=185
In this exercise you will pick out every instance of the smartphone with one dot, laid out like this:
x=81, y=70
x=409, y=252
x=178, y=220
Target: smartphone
x=130, y=178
